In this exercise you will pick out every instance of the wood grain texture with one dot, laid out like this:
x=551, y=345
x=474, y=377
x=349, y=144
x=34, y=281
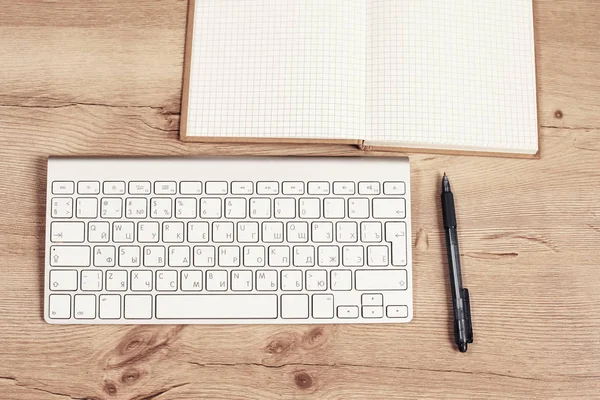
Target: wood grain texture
x=104, y=78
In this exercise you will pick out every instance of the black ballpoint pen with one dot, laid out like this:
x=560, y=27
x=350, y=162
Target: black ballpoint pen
x=463, y=330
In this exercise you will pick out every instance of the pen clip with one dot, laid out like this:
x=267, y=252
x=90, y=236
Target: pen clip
x=467, y=308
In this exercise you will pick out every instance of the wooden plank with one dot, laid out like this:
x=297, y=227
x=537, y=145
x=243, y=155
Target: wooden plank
x=94, y=54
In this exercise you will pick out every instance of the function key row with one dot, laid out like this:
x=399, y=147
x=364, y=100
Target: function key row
x=223, y=188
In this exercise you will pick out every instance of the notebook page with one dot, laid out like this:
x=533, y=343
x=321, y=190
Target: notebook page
x=452, y=74
x=280, y=69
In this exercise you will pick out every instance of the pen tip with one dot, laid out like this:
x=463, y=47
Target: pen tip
x=462, y=347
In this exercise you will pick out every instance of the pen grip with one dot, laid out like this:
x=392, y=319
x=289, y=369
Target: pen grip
x=448, y=211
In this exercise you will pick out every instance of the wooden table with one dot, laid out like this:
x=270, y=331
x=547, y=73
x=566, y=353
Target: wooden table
x=85, y=78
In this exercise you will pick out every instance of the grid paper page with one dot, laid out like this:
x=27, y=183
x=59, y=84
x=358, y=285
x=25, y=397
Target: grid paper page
x=285, y=69
x=452, y=74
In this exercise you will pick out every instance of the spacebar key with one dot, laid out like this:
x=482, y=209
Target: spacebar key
x=216, y=306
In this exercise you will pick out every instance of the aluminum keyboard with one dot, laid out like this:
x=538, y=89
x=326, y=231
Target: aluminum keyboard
x=228, y=241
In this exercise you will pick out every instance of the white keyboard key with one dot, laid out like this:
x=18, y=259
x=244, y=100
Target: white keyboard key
x=235, y=208
x=394, y=188
x=166, y=281
x=222, y=232
x=154, y=256
x=279, y=256
x=179, y=256
x=216, y=188
x=334, y=207
x=372, y=299
x=353, y=256
x=91, y=281
x=350, y=312
x=61, y=280
x=86, y=207
x=241, y=281
x=346, y=232
x=110, y=306
x=67, y=232
x=294, y=306
x=137, y=187
x=247, y=232
x=368, y=188
x=309, y=208
x=254, y=256
x=372, y=311
x=163, y=187
x=138, y=306
x=116, y=281
x=389, y=208
x=395, y=233
x=98, y=232
x=343, y=188
x=172, y=232
x=185, y=208
x=123, y=232
x=190, y=188
x=304, y=256
x=161, y=208
x=210, y=208
x=293, y=188
x=341, y=279
x=85, y=306
x=216, y=281
x=197, y=232
x=136, y=208
x=358, y=207
x=318, y=188
x=329, y=256
x=291, y=280
x=113, y=187
x=229, y=256
x=204, y=256
x=148, y=232
x=377, y=256
x=70, y=256
x=316, y=280
x=111, y=207
x=191, y=281
x=104, y=256
x=397, y=311
x=370, y=232
x=260, y=208
x=272, y=232
x=242, y=188
x=129, y=256
x=297, y=232
x=216, y=306
x=88, y=187
x=141, y=281
x=63, y=187
x=62, y=207
x=267, y=188
x=59, y=306
x=322, y=306
x=322, y=232
x=266, y=281
x=285, y=208
x=382, y=279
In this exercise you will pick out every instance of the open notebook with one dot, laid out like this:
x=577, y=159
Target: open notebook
x=439, y=75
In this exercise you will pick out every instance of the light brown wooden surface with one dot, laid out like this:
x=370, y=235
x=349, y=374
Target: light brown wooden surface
x=84, y=77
